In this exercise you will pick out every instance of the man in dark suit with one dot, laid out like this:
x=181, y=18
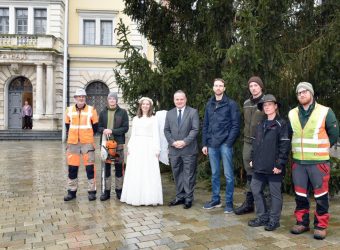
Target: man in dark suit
x=181, y=129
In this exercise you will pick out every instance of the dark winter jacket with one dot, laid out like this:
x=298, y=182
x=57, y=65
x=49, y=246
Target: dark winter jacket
x=120, y=127
x=271, y=146
x=221, y=123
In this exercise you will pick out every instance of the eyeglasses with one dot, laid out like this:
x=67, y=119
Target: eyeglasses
x=302, y=92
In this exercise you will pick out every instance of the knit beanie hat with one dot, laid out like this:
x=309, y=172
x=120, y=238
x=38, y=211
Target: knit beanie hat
x=305, y=85
x=114, y=95
x=256, y=79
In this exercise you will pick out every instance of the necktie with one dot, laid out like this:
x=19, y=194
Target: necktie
x=179, y=118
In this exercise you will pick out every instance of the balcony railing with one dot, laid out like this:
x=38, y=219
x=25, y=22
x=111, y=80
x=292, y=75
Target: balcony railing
x=31, y=41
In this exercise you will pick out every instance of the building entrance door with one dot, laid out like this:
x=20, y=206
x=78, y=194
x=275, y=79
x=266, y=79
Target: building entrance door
x=19, y=91
x=97, y=95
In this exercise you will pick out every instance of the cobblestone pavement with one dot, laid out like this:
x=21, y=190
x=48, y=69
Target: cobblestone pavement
x=33, y=214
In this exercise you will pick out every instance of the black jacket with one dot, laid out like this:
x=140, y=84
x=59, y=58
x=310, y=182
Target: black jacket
x=120, y=127
x=221, y=123
x=271, y=145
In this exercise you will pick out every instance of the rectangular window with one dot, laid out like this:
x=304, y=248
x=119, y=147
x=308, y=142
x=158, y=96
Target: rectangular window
x=4, y=20
x=40, y=21
x=21, y=21
x=106, y=32
x=89, y=32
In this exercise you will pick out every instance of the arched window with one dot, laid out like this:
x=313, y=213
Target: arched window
x=97, y=95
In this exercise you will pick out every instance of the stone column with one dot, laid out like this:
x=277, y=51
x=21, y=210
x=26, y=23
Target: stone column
x=49, y=90
x=39, y=95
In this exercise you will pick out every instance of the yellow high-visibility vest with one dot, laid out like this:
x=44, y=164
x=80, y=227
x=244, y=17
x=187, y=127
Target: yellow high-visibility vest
x=310, y=142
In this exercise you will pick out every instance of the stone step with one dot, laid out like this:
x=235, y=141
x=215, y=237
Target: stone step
x=27, y=134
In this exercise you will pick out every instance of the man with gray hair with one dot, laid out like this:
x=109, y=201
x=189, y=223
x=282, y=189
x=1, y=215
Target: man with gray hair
x=315, y=130
x=114, y=124
x=181, y=130
x=81, y=121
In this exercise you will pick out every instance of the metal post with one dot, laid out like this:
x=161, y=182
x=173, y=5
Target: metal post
x=65, y=69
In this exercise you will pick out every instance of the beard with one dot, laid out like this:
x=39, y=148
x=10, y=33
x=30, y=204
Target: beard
x=306, y=101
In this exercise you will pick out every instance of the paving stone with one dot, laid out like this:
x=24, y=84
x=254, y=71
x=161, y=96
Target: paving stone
x=146, y=244
x=163, y=247
x=180, y=238
x=151, y=231
x=132, y=235
x=128, y=247
x=140, y=228
x=34, y=215
x=148, y=237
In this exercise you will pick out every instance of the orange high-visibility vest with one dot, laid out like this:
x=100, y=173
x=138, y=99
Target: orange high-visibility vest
x=310, y=142
x=81, y=121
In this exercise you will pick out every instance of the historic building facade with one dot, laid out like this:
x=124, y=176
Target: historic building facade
x=31, y=56
x=93, y=50
x=31, y=62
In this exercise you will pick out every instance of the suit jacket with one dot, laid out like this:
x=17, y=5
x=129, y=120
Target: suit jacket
x=187, y=131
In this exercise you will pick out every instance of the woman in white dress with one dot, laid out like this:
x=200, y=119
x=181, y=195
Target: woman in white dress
x=142, y=180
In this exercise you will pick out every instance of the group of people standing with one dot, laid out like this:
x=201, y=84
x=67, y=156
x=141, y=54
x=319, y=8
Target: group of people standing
x=268, y=139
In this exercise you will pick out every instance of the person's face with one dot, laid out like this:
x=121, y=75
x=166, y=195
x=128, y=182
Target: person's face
x=269, y=108
x=255, y=89
x=80, y=100
x=304, y=96
x=112, y=102
x=145, y=106
x=180, y=100
x=218, y=88
x=26, y=102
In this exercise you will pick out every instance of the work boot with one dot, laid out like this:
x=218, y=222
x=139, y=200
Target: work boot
x=92, y=195
x=320, y=234
x=272, y=225
x=106, y=195
x=118, y=193
x=247, y=206
x=257, y=222
x=70, y=195
x=299, y=229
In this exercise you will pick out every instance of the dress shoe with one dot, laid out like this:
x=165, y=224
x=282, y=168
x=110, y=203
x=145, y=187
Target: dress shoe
x=175, y=202
x=187, y=205
x=299, y=229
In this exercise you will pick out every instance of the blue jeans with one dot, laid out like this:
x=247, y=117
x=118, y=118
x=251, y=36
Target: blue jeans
x=215, y=155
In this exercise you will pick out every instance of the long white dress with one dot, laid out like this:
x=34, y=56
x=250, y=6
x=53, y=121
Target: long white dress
x=142, y=181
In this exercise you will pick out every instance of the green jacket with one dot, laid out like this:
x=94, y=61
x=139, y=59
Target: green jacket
x=252, y=116
x=120, y=126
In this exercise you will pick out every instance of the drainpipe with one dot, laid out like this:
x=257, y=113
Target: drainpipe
x=68, y=83
x=65, y=72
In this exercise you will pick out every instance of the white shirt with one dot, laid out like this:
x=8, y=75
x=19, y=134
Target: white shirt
x=181, y=112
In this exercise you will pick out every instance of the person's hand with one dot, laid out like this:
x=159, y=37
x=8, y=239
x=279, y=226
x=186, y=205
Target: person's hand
x=180, y=144
x=205, y=150
x=107, y=132
x=251, y=164
x=277, y=171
